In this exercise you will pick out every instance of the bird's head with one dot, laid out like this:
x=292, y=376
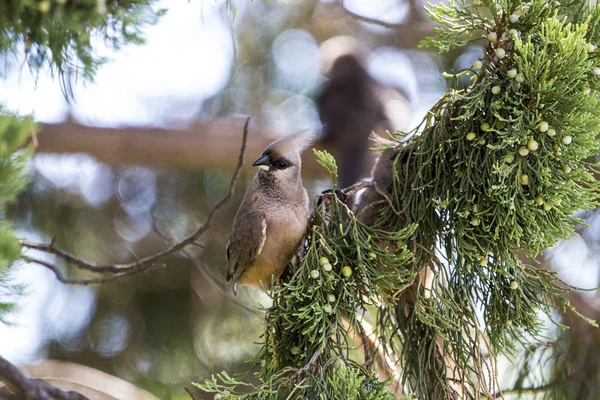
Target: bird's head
x=281, y=158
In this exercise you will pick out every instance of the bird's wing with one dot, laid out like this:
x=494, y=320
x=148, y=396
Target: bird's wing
x=246, y=243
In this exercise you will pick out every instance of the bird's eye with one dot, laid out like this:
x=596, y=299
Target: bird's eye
x=283, y=163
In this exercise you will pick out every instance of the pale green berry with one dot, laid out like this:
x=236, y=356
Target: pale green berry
x=551, y=132
x=514, y=17
x=295, y=350
x=492, y=36
x=543, y=126
x=483, y=261
x=587, y=91
x=591, y=48
x=400, y=244
x=477, y=65
x=547, y=207
x=539, y=200
x=566, y=169
x=519, y=78
x=509, y=322
x=475, y=221
x=327, y=267
x=567, y=140
x=524, y=180
x=496, y=89
x=347, y=271
x=331, y=298
x=327, y=308
x=509, y=158
x=532, y=145
x=523, y=151
x=44, y=6
x=476, y=2
x=514, y=285
x=513, y=33
x=217, y=396
x=314, y=274
x=500, y=53
x=511, y=73
x=226, y=394
x=471, y=136
x=372, y=255
x=596, y=71
x=485, y=127
x=324, y=260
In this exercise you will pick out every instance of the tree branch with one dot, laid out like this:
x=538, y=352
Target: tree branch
x=146, y=263
x=407, y=33
x=32, y=389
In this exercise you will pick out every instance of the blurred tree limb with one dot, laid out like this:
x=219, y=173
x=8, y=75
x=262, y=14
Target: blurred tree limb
x=210, y=145
x=32, y=389
x=408, y=33
x=146, y=263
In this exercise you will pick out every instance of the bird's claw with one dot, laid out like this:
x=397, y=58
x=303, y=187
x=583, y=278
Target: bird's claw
x=339, y=193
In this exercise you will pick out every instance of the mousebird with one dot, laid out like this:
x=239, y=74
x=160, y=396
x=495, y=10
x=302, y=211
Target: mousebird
x=271, y=221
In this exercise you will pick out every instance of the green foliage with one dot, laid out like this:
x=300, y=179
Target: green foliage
x=14, y=132
x=59, y=34
x=310, y=328
x=328, y=162
x=495, y=169
x=499, y=167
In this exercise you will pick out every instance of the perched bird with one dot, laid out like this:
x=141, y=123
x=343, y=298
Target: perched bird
x=371, y=201
x=272, y=219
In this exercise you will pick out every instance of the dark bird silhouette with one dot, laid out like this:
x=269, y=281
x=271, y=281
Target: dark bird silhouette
x=350, y=111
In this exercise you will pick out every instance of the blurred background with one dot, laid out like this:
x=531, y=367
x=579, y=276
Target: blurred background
x=135, y=162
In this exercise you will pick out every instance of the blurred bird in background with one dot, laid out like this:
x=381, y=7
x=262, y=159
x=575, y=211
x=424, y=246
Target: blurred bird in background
x=272, y=218
x=352, y=105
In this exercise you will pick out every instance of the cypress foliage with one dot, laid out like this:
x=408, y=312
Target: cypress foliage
x=494, y=168
x=14, y=132
x=59, y=34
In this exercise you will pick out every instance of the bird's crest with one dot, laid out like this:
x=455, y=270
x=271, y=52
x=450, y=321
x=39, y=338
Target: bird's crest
x=294, y=143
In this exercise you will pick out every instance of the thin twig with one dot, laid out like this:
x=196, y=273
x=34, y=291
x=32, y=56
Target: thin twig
x=85, y=281
x=373, y=21
x=366, y=346
x=147, y=262
x=32, y=389
x=529, y=390
x=299, y=371
x=189, y=391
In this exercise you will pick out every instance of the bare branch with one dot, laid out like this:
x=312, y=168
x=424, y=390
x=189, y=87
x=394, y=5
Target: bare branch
x=408, y=33
x=32, y=389
x=146, y=263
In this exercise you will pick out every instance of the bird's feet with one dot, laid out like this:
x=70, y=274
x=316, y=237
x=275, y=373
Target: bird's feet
x=339, y=193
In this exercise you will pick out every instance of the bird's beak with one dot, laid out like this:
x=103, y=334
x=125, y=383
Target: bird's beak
x=262, y=162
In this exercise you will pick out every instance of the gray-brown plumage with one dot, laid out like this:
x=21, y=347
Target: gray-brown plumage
x=271, y=221
x=370, y=201
x=350, y=111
